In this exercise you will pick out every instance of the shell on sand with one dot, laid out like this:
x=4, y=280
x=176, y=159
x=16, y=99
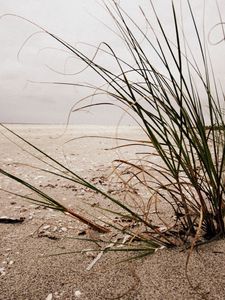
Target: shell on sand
x=36, y=274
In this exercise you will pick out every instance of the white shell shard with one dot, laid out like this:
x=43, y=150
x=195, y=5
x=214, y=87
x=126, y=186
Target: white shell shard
x=2, y=271
x=77, y=294
x=49, y=297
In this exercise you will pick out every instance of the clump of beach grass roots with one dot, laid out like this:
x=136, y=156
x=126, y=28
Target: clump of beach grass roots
x=180, y=110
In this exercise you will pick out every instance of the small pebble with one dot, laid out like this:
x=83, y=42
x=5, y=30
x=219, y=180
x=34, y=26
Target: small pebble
x=54, y=228
x=64, y=229
x=46, y=227
x=77, y=294
x=23, y=209
x=2, y=271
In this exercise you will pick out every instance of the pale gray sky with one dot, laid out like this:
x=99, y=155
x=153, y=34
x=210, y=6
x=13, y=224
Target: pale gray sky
x=75, y=21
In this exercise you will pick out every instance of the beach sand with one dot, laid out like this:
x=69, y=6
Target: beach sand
x=29, y=268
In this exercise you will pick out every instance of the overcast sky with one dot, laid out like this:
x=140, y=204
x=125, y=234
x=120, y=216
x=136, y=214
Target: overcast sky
x=75, y=21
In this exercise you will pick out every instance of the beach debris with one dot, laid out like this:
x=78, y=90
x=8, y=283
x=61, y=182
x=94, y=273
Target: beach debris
x=86, y=221
x=122, y=220
x=94, y=261
x=49, y=297
x=125, y=238
x=45, y=231
x=31, y=215
x=102, y=180
x=125, y=222
x=63, y=229
x=162, y=228
x=23, y=209
x=82, y=232
x=90, y=254
x=58, y=295
x=77, y=293
x=2, y=271
x=119, y=240
x=9, y=220
x=8, y=262
x=39, y=176
x=112, y=191
x=45, y=227
x=94, y=204
x=72, y=187
x=51, y=231
x=54, y=228
x=160, y=248
x=48, y=235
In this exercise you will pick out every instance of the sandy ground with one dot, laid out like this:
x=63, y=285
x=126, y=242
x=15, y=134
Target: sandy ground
x=29, y=268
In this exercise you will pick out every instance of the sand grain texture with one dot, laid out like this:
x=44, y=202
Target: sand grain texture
x=27, y=269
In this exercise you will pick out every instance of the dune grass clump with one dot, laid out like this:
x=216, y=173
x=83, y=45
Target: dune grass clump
x=179, y=107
